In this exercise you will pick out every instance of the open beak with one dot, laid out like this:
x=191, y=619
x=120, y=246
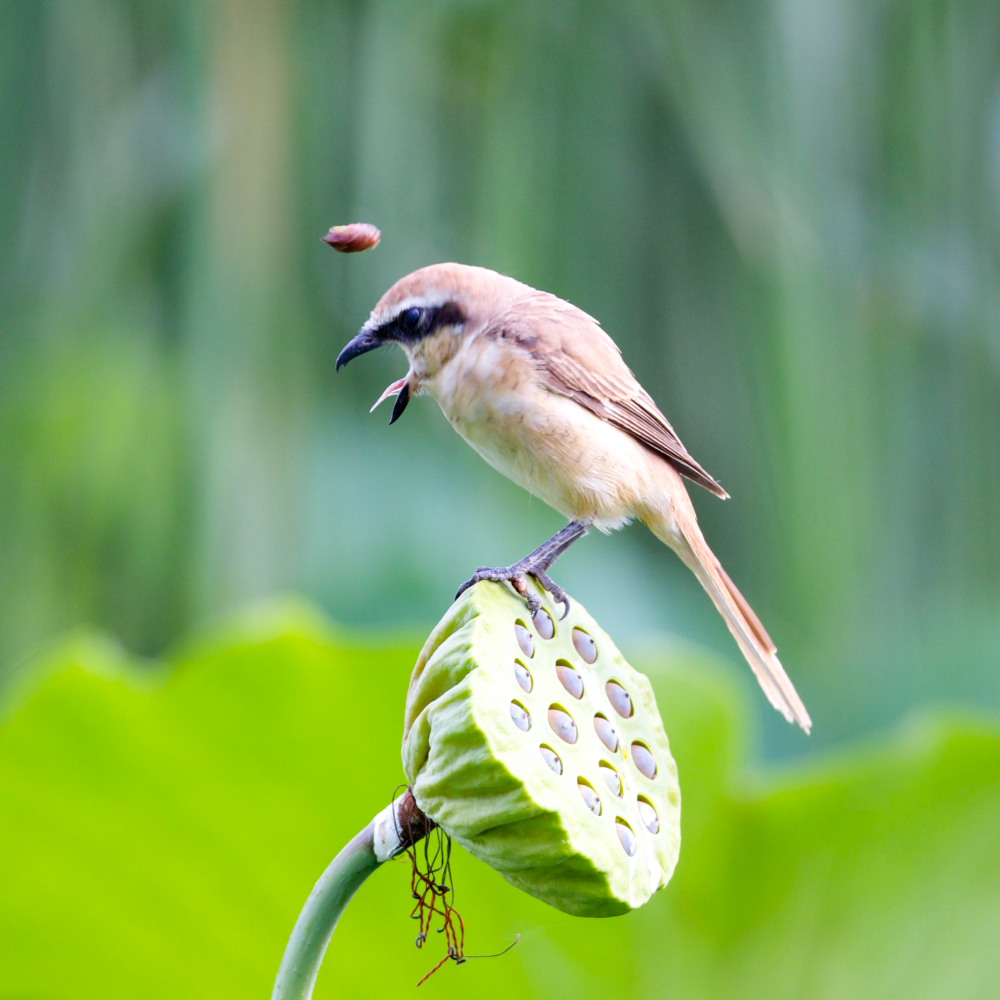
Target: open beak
x=401, y=389
x=363, y=343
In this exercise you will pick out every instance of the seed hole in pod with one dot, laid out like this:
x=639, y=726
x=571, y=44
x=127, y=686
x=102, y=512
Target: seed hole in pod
x=543, y=623
x=524, y=638
x=570, y=677
x=589, y=796
x=523, y=675
x=585, y=645
x=606, y=732
x=562, y=723
x=611, y=778
x=643, y=760
x=626, y=835
x=648, y=814
x=621, y=700
x=551, y=758
x=520, y=715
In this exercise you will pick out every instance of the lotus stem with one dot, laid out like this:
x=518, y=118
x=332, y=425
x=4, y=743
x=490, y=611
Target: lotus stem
x=397, y=827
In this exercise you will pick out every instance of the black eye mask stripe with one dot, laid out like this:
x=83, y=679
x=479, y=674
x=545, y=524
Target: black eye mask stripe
x=432, y=319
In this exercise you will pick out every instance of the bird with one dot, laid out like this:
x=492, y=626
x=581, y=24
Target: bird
x=543, y=394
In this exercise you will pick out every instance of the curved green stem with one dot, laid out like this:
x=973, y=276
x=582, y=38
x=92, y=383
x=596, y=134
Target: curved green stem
x=316, y=923
x=393, y=830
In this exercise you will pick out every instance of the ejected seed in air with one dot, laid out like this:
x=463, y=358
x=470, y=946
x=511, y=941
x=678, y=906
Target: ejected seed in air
x=353, y=238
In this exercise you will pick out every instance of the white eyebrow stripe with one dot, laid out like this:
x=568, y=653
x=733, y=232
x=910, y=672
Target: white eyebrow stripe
x=423, y=301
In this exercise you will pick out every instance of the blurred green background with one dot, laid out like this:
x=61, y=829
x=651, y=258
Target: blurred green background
x=162, y=829
x=785, y=213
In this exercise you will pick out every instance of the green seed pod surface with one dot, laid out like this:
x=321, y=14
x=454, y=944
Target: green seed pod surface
x=538, y=748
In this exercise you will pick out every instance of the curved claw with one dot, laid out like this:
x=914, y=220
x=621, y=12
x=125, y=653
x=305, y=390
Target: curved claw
x=558, y=594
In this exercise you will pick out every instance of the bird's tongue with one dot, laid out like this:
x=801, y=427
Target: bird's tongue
x=390, y=390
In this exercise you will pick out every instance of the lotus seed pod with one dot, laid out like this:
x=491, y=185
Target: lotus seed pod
x=535, y=746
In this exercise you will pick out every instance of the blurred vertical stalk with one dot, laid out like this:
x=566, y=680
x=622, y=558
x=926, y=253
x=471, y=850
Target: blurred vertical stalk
x=242, y=356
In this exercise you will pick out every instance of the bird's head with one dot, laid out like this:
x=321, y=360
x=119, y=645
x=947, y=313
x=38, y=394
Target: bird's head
x=429, y=313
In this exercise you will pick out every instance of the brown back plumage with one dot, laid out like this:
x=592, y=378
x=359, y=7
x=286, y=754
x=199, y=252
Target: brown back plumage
x=579, y=360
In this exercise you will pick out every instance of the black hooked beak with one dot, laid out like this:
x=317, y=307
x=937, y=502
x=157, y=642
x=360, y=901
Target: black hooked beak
x=364, y=342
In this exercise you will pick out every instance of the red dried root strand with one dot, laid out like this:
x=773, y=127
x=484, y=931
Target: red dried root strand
x=431, y=888
x=353, y=238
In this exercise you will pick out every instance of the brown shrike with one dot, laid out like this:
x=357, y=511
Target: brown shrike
x=542, y=393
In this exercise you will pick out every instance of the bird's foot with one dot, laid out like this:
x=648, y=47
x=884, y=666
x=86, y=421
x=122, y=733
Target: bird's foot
x=550, y=586
x=534, y=564
x=515, y=576
x=520, y=584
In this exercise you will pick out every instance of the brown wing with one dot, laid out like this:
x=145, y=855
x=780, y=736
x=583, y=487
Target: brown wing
x=579, y=360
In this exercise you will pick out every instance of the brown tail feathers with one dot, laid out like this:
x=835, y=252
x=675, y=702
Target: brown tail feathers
x=747, y=630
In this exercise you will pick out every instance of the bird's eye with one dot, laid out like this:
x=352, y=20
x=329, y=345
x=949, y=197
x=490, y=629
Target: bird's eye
x=409, y=319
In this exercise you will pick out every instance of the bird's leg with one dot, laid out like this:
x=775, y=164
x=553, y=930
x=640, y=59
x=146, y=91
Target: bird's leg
x=535, y=564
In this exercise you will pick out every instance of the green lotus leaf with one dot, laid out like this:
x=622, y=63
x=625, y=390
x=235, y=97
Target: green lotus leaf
x=161, y=829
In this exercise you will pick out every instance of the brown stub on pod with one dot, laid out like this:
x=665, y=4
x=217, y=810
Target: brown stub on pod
x=353, y=238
